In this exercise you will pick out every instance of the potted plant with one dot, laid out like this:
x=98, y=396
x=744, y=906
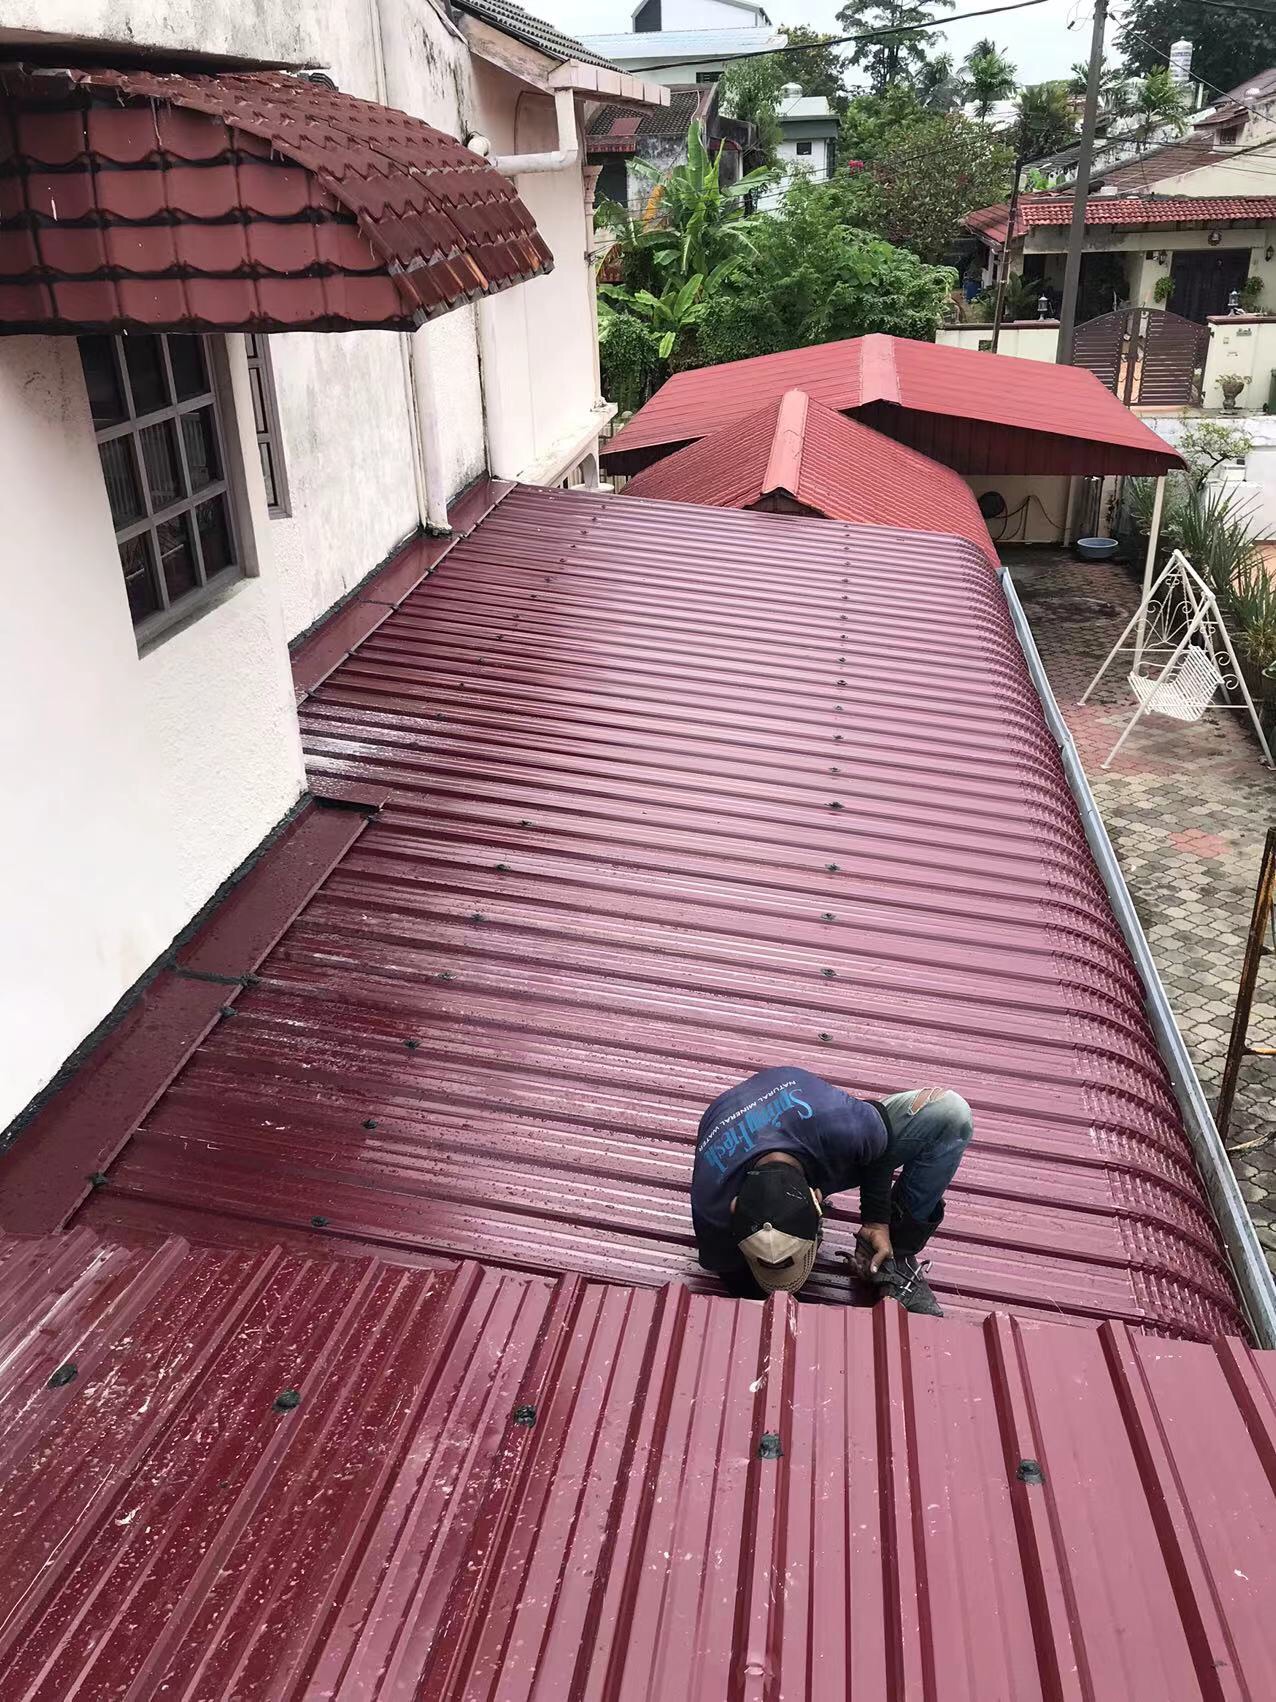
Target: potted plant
x=1163, y=288
x=1249, y=293
x=1231, y=384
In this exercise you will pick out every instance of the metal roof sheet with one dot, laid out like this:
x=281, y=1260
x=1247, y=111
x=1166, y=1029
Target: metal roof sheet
x=834, y=466
x=647, y=46
x=494, y=1488
x=247, y=201
x=974, y=412
x=675, y=793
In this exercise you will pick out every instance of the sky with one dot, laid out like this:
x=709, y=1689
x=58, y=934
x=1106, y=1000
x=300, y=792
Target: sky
x=1038, y=40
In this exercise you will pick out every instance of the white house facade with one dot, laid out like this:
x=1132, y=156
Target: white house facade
x=181, y=505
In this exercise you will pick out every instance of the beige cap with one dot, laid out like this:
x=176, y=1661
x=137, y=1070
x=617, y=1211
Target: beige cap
x=780, y=1262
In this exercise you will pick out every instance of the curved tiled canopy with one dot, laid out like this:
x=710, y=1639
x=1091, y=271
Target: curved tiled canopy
x=256, y=201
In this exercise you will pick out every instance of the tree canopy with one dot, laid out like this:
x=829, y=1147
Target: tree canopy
x=813, y=277
x=751, y=87
x=923, y=175
x=1230, y=47
x=1047, y=122
x=989, y=77
x=893, y=58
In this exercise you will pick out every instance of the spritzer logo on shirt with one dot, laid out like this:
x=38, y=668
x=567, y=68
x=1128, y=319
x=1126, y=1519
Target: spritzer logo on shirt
x=735, y=1133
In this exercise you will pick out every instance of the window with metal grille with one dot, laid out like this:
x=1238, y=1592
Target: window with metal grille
x=261, y=378
x=160, y=439
x=804, y=148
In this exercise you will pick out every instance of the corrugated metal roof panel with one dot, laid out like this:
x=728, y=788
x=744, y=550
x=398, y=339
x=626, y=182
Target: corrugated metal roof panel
x=496, y=1488
x=838, y=467
x=1031, y=416
x=653, y=771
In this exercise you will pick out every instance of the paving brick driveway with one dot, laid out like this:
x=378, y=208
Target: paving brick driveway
x=1187, y=808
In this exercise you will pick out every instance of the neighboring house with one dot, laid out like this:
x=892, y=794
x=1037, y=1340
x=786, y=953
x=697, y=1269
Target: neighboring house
x=619, y=135
x=183, y=500
x=808, y=142
x=1196, y=209
x=688, y=41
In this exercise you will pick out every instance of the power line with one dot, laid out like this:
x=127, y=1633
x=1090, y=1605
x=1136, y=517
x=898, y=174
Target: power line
x=849, y=40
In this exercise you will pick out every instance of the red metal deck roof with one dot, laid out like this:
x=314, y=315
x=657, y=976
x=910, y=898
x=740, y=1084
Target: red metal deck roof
x=247, y=201
x=502, y=1489
x=977, y=413
x=675, y=793
x=833, y=466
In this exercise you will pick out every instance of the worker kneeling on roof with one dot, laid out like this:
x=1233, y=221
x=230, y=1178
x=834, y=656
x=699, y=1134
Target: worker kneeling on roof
x=770, y=1152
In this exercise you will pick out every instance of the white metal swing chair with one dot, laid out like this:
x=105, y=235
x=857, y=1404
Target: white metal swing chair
x=1183, y=655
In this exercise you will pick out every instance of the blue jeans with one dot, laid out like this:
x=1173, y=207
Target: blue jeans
x=926, y=1146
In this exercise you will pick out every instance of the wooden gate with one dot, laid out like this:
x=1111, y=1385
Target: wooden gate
x=1144, y=355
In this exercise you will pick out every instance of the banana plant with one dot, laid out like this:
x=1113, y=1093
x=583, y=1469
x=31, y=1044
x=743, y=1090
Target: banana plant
x=694, y=224
x=667, y=315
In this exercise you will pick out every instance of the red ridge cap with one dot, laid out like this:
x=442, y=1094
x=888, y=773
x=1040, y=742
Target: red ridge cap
x=784, y=466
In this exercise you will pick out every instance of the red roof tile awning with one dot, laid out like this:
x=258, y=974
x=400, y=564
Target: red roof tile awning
x=255, y=201
x=1132, y=212
x=800, y=451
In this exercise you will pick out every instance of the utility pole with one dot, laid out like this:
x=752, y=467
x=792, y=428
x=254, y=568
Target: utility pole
x=1003, y=261
x=1076, y=231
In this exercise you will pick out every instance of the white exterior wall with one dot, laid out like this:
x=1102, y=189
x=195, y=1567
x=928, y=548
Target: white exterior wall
x=541, y=388
x=708, y=15
x=1247, y=348
x=134, y=786
x=1026, y=342
x=1044, y=516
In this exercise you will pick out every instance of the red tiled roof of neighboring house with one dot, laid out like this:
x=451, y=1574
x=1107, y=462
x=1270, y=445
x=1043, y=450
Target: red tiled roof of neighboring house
x=667, y=794
x=977, y=413
x=272, y=1477
x=245, y=201
x=834, y=466
x=1122, y=210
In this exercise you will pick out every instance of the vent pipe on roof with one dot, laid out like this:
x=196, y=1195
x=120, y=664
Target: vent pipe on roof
x=1181, y=63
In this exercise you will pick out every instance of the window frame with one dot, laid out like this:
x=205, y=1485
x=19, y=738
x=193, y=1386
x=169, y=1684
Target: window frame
x=257, y=353
x=216, y=397
x=805, y=150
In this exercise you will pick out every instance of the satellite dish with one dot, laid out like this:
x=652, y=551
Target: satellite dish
x=992, y=505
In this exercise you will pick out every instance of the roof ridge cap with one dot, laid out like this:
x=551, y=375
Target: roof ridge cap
x=784, y=464
x=879, y=376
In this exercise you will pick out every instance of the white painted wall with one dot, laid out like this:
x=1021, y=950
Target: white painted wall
x=541, y=387
x=1025, y=342
x=1247, y=348
x=133, y=786
x=1044, y=516
x=709, y=15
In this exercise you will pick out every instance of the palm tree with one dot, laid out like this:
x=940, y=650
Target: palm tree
x=1046, y=121
x=1160, y=103
x=990, y=77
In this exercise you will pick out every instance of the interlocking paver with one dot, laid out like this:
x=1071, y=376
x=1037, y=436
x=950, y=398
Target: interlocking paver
x=1187, y=808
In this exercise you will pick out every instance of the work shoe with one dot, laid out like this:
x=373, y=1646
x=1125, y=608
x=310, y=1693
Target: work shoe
x=903, y=1278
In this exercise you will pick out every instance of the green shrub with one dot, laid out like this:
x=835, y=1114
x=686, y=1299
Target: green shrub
x=629, y=357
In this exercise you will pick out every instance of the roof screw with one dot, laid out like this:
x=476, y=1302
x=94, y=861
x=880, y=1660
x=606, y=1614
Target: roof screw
x=525, y=1415
x=832, y=867
x=839, y=709
x=824, y=1038
x=228, y=1010
x=835, y=805
x=841, y=682
x=478, y=916
x=525, y=823
x=841, y=658
x=1029, y=1471
x=369, y=1122
x=411, y=1045
x=502, y=868
x=828, y=974
x=827, y=916
x=286, y=1400
x=837, y=738
x=769, y=1447
x=835, y=770
x=62, y=1376
x=319, y=1222
x=97, y=1179
x=446, y=975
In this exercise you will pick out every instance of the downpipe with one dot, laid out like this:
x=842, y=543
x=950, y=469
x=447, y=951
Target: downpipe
x=1253, y=1277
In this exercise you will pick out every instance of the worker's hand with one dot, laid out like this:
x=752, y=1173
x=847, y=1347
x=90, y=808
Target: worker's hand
x=872, y=1248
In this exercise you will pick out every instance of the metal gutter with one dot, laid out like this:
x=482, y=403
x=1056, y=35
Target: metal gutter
x=1253, y=1275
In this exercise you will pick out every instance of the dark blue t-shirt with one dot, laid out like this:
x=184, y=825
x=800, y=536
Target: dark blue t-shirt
x=840, y=1140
